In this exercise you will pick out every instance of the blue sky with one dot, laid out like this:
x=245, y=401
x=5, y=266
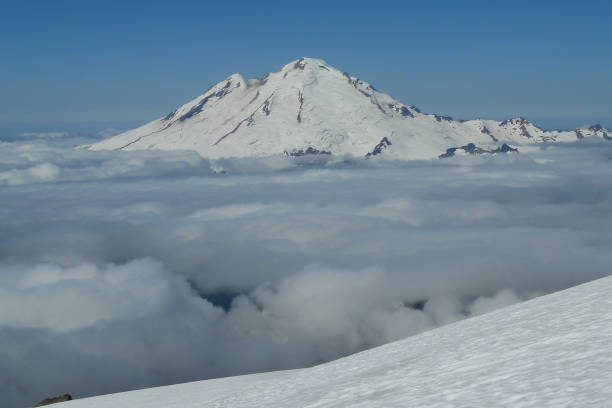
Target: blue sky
x=116, y=63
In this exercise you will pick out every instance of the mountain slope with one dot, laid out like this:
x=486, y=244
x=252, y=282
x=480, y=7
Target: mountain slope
x=309, y=106
x=555, y=350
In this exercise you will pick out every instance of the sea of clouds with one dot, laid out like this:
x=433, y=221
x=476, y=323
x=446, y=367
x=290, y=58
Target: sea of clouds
x=123, y=270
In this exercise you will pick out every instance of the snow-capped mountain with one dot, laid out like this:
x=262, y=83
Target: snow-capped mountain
x=309, y=107
x=555, y=350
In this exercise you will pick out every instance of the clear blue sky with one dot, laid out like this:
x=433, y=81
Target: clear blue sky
x=130, y=61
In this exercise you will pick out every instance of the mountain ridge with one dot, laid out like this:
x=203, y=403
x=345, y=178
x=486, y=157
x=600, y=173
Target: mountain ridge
x=310, y=106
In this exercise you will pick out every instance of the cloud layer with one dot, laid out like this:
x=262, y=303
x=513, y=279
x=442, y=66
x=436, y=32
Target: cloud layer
x=123, y=270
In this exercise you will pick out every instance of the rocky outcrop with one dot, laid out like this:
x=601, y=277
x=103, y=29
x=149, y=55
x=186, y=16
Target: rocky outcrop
x=471, y=148
x=379, y=147
x=440, y=118
x=301, y=101
x=402, y=110
x=198, y=108
x=55, y=400
x=504, y=149
x=308, y=151
x=486, y=131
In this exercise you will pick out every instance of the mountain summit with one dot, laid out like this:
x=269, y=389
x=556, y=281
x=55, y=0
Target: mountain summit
x=309, y=107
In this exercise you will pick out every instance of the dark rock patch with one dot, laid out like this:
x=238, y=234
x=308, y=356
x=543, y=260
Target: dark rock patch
x=505, y=149
x=55, y=400
x=301, y=101
x=486, y=131
x=255, y=97
x=406, y=112
x=378, y=106
x=402, y=110
x=300, y=64
x=450, y=152
x=471, y=148
x=379, y=147
x=515, y=121
x=250, y=121
x=144, y=136
x=198, y=108
x=308, y=151
x=351, y=81
x=234, y=130
x=579, y=134
x=521, y=122
x=170, y=115
x=440, y=118
x=266, y=107
x=595, y=128
x=524, y=132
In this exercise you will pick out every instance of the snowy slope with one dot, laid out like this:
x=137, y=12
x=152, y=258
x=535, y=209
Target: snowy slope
x=310, y=106
x=552, y=351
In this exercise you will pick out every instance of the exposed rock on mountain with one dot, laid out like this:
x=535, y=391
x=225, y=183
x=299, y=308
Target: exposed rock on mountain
x=54, y=400
x=471, y=148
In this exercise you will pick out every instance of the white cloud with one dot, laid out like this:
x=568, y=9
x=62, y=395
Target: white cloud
x=227, y=212
x=39, y=173
x=60, y=299
x=106, y=257
x=504, y=297
x=43, y=135
x=108, y=132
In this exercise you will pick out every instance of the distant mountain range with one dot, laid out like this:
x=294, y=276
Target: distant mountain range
x=309, y=107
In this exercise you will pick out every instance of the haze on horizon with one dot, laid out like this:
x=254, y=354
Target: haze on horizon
x=117, y=64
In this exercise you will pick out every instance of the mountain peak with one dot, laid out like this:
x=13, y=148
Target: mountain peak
x=304, y=62
x=310, y=106
x=519, y=120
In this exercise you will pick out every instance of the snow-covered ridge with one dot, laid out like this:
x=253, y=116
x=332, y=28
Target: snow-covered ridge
x=555, y=350
x=309, y=105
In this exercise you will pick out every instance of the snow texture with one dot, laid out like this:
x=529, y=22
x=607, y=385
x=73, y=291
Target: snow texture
x=308, y=104
x=551, y=351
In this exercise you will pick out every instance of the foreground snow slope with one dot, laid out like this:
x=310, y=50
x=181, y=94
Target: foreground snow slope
x=552, y=351
x=309, y=106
